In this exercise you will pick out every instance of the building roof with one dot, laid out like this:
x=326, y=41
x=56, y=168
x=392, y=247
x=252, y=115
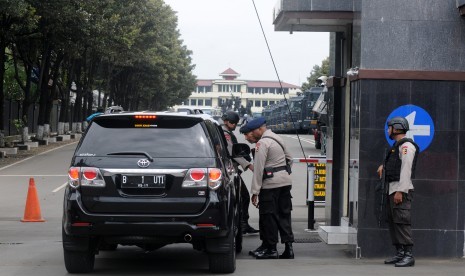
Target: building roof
x=250, y=83
x=229, y=72
x=274, y=84
x=204, y=82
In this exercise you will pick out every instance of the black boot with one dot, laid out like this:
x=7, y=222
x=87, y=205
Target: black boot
x=399, y=255
x=269, y=253
x=247, y=229
x=259, y=249
x=408, y=259
x=288, y=251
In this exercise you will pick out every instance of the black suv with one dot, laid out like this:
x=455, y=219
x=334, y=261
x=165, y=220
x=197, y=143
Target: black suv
x=152, y=179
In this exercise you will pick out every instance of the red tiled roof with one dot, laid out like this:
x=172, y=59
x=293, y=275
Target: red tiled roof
x=229, y=71
x=204, y=82
x=272, y=84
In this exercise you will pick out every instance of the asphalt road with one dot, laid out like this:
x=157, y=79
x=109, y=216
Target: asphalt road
x=35, y=248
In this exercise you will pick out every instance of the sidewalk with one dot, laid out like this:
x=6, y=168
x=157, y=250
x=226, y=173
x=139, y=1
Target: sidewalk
x=314, y=257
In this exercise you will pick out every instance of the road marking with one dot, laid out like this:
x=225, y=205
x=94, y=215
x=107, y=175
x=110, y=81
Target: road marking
x=34, y=175
x=302, y=139
x=59, y=188
x=21, y=161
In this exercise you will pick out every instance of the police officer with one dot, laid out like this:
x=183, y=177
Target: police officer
x=399, y=169
x=230, y=120
x=271, y=190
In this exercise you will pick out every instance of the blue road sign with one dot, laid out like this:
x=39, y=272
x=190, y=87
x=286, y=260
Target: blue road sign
x=420, y=122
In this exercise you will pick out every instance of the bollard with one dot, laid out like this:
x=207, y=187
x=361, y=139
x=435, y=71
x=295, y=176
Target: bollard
x=310, y=196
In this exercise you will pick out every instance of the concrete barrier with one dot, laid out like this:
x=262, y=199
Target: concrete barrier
x=43, y=142
x=64, y=137
x=23, y=147
x=32, y=144
x=10, y=151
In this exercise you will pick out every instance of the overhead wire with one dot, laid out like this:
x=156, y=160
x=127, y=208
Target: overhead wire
x=279, y=79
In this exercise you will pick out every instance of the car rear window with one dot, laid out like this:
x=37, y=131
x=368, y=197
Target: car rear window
x=160, y=137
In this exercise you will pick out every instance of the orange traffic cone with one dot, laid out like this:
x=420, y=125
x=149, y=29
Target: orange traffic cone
x=32, y=210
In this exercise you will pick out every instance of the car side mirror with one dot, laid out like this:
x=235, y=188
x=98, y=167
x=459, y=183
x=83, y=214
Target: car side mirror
x=241, y=150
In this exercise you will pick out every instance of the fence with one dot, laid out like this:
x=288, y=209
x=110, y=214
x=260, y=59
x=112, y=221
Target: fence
x=13, y=110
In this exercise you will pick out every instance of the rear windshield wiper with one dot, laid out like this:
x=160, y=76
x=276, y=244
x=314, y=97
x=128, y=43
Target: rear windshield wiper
x=132, y=153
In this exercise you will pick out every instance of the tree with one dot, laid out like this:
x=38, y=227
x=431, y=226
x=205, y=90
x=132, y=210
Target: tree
x=13, y=15
x=316, y=72
x=129, y=50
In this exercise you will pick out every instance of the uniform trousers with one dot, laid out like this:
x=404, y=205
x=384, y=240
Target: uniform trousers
x=245, y=201
x=275, y=206
x=399, y=219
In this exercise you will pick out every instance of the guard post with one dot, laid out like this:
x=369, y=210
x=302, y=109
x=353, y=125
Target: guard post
x=314, y=164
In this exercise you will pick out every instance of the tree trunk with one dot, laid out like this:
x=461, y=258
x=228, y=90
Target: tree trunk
x=44, y=90
x=2, y=97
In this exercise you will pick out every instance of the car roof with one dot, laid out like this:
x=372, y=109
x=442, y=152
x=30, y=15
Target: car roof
x=204, y=117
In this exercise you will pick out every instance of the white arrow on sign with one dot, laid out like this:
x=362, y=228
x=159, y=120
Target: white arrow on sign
x=416, y=130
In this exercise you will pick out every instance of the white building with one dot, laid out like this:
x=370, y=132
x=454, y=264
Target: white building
x=257, y=93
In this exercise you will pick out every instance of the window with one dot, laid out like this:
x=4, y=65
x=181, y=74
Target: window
x=257, y=103
x=200, y=102
x=264, y=103
x=271, y=102
x=208, y=102
x=193, y=102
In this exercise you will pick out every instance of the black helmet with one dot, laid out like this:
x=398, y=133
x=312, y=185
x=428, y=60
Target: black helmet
x=231, y=117
x=399, y=123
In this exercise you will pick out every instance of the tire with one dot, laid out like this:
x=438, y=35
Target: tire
x=82, y=259
x=323, y=144
x=79, y=262
x=224, y=262
x=107, y=246
x=317, y=144
x=239, y=239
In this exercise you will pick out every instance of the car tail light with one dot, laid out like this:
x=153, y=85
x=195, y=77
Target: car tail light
x=73, y=177
x=197, y=174
x=202, y=177
x=195, y=178
x=85, y=176
x=214, y=178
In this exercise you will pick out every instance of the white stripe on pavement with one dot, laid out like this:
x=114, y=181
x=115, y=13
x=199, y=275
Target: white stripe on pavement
x=59, y=188
x=33, y=175
x=302, y=139
x=16, y=163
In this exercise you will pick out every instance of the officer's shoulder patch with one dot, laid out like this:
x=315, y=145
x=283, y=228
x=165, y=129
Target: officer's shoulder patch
x=257, y=146
x=227, y=136
x=404, y=150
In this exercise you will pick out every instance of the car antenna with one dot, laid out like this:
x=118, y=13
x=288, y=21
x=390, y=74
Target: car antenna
x=279, y=79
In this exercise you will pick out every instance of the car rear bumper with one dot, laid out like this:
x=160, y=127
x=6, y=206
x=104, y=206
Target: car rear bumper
x=210, y=223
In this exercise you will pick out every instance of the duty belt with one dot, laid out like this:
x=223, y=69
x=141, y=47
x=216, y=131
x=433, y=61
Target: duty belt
x=278, y=169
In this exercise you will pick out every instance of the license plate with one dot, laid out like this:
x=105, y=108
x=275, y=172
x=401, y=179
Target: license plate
x=143, y=181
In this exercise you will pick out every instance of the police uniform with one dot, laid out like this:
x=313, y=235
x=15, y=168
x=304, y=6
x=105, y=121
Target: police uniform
x=400, y=169
x=240, y=161
x=272, y=183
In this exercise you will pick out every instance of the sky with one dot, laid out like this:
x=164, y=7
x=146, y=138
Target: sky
x=226, y=34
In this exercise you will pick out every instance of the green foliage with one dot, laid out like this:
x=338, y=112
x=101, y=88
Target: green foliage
x=130, y=50
x=317, y=71
x=18, y=123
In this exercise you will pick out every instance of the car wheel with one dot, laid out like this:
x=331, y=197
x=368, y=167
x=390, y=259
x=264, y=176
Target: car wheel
x=317, y=144
x=107, y=246
x=224, y=262
x=239, y=239
x=79, y=262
